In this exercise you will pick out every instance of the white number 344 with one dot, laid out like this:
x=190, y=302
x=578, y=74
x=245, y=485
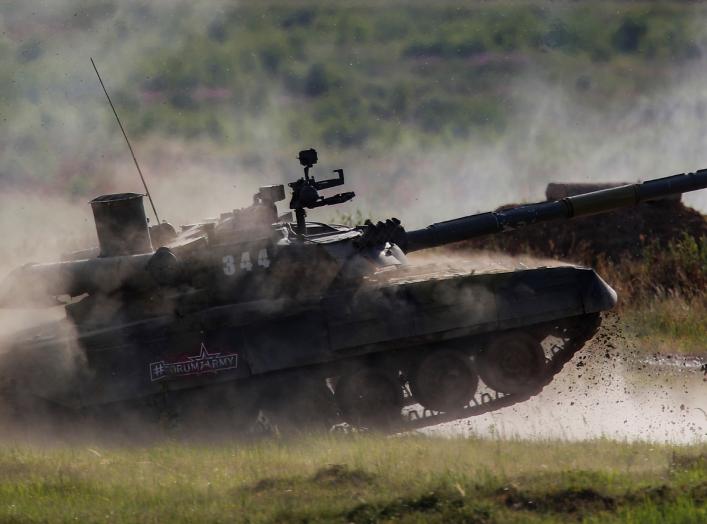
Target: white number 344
x=245, y=264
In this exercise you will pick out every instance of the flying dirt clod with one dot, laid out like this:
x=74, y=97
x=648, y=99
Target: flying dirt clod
x=258, y=312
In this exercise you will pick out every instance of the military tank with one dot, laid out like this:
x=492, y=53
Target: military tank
x=259, y=312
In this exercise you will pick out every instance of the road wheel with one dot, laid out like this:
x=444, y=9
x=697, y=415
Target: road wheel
x=513, y=363
x=369, y=397
x=443, y=380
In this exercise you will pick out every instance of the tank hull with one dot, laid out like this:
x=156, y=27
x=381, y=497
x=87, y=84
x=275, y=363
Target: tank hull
x=392, y=318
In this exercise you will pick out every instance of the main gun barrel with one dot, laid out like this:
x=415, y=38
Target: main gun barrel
x=592, y=203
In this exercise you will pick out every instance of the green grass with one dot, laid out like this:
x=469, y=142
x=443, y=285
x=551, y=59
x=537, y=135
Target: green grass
x=358, y=478
x=668, y=326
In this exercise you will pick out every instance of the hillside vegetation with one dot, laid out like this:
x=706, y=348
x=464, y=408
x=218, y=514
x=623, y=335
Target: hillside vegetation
x=353, y=76
x=347, y=77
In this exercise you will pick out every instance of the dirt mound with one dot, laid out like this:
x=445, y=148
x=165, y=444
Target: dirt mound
x=611, y=236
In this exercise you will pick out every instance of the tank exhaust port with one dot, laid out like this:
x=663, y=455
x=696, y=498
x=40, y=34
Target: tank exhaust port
x=121, y=225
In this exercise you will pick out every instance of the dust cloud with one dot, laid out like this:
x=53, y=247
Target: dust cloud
x=623, y=398
x=551, y=138
x=38, y=227
x=480, y=260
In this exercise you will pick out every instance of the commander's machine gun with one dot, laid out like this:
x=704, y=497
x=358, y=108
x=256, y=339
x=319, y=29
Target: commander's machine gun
x=305, y=191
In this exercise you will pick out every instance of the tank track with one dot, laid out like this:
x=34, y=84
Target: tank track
x=572, y=334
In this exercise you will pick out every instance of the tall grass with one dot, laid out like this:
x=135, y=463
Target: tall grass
x=673, y=270
x=662, y=295
x=669, y=326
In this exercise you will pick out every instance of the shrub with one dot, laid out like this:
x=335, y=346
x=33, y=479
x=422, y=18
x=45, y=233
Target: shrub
x=628, y=36
x=319, y=80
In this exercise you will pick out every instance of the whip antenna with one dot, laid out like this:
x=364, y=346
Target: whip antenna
x=149, y=197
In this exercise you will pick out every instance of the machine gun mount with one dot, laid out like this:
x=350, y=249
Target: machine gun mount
x=305, y=191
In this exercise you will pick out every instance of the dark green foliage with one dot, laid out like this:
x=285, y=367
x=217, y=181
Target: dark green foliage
x=627, y=38
x=319, y=80
x=272, y=55
x=445, y=48
x=559, y=36
x=217, y=31
x=302, y=17
x=443, y=505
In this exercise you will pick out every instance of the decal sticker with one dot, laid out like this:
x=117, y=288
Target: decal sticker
x=246, y=264
x=231, y=266
x=200, y=364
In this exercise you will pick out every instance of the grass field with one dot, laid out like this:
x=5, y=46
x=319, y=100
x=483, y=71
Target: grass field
x=357, y=478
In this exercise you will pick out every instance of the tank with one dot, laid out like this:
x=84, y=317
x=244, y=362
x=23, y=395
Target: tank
x=258, y=314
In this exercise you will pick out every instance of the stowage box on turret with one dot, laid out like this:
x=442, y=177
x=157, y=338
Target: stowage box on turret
x=258, y=312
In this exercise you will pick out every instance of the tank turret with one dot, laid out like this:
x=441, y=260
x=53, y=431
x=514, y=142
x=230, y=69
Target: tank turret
x=256, y=252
